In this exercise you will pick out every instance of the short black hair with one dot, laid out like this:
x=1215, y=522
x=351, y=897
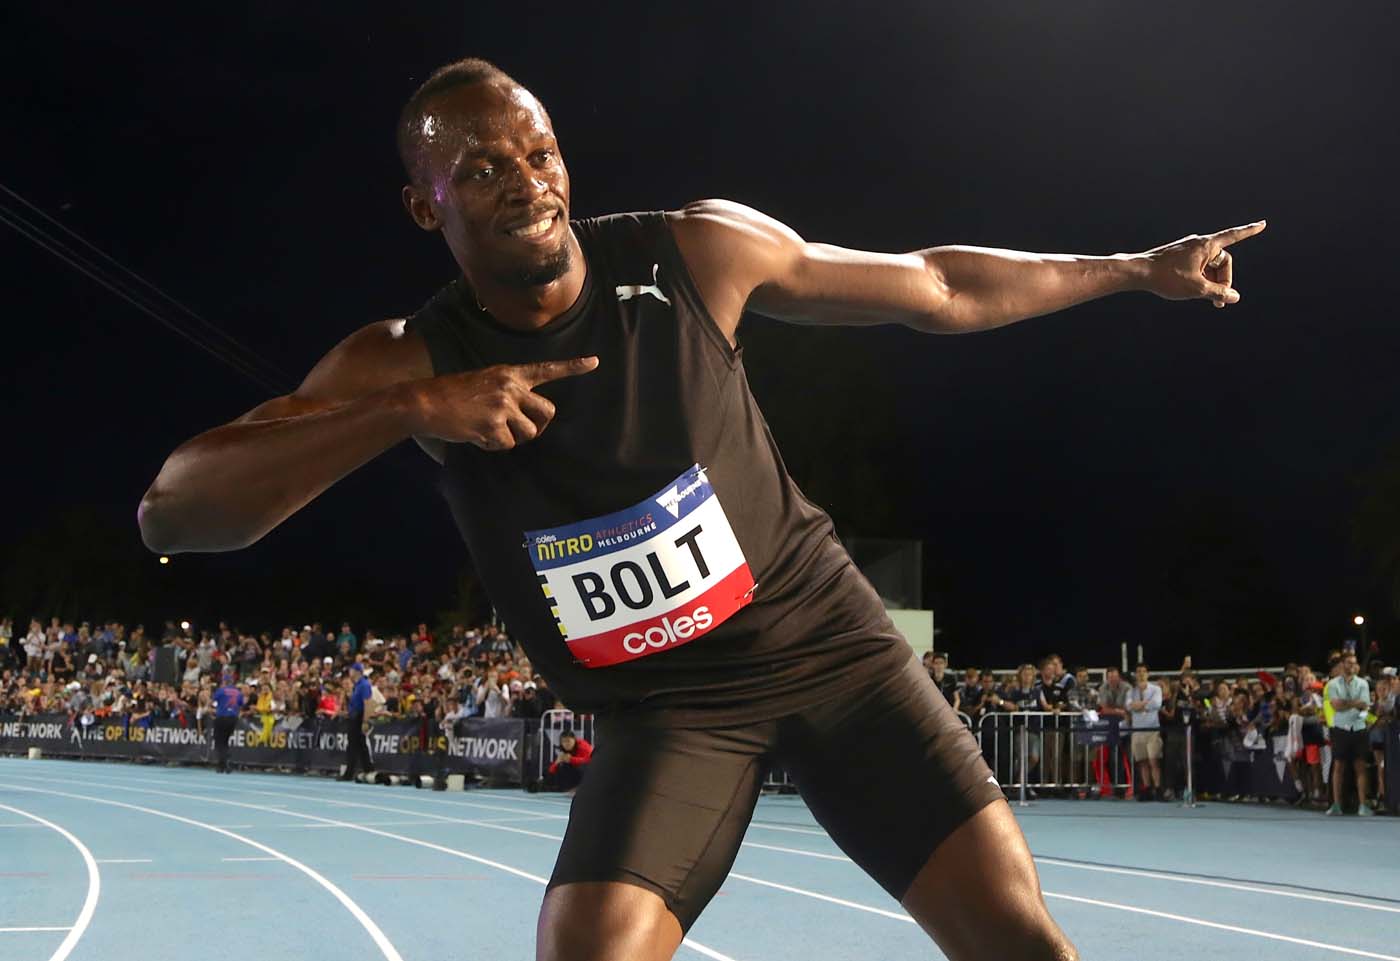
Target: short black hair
x=459, y=73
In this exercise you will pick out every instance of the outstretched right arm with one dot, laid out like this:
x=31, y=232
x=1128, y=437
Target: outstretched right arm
x=229, y=486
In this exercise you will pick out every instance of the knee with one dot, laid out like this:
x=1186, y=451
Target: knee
x=598, y=921
x=1048, y=945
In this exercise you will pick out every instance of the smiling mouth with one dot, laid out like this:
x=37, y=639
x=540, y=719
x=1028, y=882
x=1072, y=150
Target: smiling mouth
x=536, y=229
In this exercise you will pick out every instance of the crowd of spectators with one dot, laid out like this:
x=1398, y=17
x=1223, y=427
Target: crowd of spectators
x=105, y=671
x=1343, y=713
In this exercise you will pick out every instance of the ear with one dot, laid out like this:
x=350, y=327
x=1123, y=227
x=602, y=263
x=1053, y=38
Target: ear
x=416, y=202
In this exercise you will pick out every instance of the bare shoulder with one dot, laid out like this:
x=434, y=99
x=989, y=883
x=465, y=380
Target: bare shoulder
x=731, y=249
x=368, y=360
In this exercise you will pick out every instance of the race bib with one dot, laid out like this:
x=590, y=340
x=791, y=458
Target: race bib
x=645, y=579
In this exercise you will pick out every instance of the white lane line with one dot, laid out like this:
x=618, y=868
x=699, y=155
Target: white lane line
x=385, y=947
x=805, y=854
x=34, y=928
x=472, y=804
x=773, y=827
x=1206, y=882
x=94, y=889
x=686, y=942
x=518, y=817
x=124, y=860
x=896, y=915
x=1356, y=952
x=247, y=859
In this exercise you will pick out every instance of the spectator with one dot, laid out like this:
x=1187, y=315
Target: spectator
x=937, y=666
x=359, y=711
x=1387, y=687
x=1053, y=691
x=1113, y=695
x=566, y=771
x=492, y=698
x=1144, y=705
x=1350, y=698
x=971, y=696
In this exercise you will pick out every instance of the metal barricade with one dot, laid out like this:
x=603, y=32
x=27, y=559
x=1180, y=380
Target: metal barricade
x=1032, y=751
x=555, y=723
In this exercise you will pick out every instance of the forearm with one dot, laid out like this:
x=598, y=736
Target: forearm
x=986, y=287
x=226, y=488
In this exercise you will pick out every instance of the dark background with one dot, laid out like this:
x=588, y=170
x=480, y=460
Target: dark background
x=1194, y=480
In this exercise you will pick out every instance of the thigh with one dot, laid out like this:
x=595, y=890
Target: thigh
x=980, y=889
x=664, y=809
x=890, y=773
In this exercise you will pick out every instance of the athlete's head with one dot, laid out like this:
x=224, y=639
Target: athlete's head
x=485, y=170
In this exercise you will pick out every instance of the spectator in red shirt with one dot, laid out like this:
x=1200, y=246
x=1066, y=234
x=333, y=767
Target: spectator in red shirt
x=567, y=770
x=328, y=706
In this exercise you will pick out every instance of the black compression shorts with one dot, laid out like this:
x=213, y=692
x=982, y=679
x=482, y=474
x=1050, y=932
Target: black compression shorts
x=889, y=770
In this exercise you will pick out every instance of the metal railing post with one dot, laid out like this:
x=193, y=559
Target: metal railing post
x=1025, y=769
x=1188, y=797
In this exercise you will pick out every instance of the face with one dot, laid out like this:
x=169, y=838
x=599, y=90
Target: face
x=1141, y=675
x=1349, y=666
x=489, y=167
x=567, y=742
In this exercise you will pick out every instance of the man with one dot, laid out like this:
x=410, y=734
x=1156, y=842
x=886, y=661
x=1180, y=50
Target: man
x=1350, y=697
x=937, y=666
x=971, y=694
x=228, y=704
x=625, y=326
x=1053, y=691
x=1144, y=708
x=357, y=759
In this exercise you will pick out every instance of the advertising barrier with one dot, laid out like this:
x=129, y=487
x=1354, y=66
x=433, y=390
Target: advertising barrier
x=493, y=750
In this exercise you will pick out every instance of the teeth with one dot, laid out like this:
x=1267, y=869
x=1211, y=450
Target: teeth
x=535, y=229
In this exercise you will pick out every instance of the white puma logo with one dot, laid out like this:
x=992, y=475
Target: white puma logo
x=628, y=291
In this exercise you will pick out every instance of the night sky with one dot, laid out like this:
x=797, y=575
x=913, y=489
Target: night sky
x=1130, y=470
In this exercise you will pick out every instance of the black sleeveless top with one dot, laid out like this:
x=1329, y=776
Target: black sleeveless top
x=551, y=524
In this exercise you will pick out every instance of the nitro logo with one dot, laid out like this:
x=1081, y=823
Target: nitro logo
x=667, y=632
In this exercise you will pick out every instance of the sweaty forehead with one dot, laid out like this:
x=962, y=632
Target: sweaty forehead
x=481, y=117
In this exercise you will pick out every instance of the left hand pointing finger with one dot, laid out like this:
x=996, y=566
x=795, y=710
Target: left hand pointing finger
x=1234, y=235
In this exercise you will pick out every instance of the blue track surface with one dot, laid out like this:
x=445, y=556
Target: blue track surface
x=190, y=863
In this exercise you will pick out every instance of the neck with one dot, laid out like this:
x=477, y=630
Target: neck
x=530, y=308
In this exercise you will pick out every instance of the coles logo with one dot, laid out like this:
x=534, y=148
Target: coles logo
x=668, y=631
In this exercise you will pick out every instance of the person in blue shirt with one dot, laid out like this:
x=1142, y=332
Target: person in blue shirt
x=228, y=704
x=357, y=757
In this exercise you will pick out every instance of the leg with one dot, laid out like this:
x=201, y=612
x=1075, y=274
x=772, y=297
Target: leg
x=1339, y=769
x=906, y=760
x=653, y=831
x=1362, y=777
x=603, y=920
x=961, y=910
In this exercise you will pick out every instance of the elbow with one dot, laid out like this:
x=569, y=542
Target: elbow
x=163, y=532
x=154, y=525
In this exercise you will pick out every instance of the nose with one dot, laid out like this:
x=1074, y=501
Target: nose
x=525, y=185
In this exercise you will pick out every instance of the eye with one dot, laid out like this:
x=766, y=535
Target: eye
x=482, y=173
x=543, y=157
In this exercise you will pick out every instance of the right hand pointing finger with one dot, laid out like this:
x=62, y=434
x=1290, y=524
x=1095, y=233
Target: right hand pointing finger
x=544, y=371
x=494, y=408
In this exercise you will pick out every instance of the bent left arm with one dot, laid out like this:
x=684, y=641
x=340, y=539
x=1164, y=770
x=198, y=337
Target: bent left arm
x=742, y=259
